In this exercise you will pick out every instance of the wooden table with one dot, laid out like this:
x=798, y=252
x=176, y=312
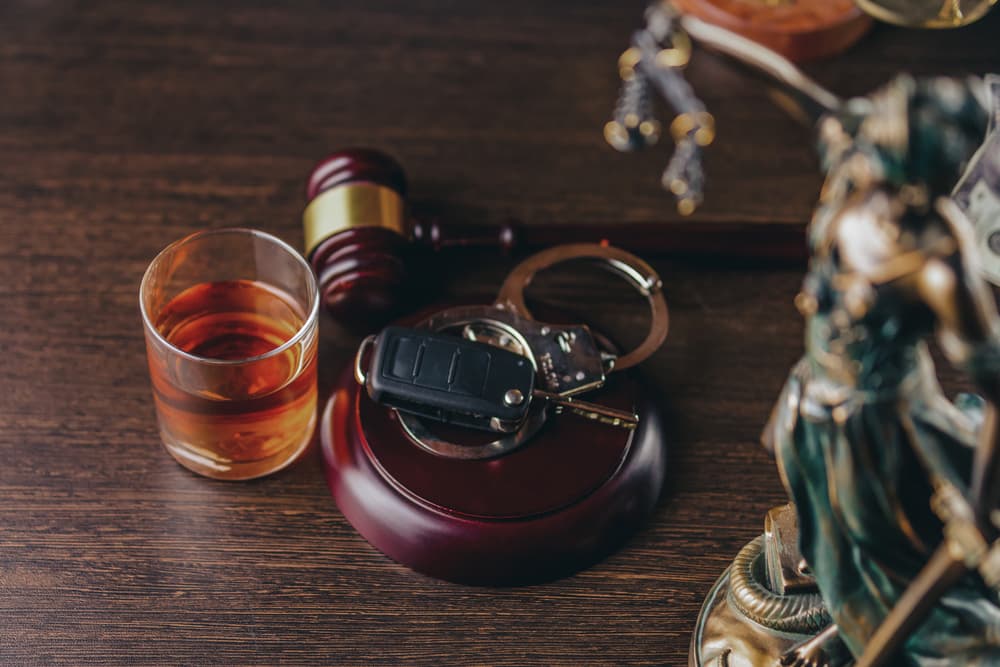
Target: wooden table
x=126, y=125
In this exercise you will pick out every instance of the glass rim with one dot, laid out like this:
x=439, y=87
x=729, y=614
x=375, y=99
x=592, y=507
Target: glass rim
x=296, y=338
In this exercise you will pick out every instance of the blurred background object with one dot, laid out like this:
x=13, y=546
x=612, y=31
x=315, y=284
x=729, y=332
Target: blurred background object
x=927, y=13
x=800, y=30
x=804, y=30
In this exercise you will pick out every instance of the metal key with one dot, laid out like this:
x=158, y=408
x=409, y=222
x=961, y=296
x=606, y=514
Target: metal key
x=594, y=411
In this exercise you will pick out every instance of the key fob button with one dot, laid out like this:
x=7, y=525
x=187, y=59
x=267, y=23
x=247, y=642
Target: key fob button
x=472, y=369
x=403, y=358
x=435, y=365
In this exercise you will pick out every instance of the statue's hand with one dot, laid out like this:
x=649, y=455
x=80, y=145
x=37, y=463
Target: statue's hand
x=805, y=655
x=816, y=651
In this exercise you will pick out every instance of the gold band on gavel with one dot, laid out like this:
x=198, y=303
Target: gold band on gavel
x=352, y=205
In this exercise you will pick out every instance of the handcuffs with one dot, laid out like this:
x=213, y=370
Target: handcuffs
x=566, y=358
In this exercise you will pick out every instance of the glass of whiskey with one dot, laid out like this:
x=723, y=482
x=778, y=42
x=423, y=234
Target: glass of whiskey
x=230, y=317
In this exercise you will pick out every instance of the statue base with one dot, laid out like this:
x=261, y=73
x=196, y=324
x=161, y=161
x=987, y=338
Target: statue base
x=763, y=605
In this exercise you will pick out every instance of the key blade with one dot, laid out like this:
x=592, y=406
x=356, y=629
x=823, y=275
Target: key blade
x=594, y=411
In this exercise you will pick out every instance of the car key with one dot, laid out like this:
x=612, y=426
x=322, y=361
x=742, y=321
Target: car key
x=448, y=379
x=463, y=382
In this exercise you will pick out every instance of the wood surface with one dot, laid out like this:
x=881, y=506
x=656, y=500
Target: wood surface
x=126, y=125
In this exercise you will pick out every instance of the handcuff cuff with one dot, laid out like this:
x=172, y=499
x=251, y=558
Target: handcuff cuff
x=566, y=358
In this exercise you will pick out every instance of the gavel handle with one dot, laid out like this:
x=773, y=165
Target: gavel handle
x=783, y=243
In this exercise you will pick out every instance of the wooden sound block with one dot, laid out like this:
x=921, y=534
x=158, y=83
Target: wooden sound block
x=559, y=503
x=798, y=29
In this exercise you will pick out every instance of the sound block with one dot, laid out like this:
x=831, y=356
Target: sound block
x=800, y=30
x=559, y=503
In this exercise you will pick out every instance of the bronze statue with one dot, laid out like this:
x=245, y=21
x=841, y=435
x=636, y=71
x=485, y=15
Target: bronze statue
x=888, y=552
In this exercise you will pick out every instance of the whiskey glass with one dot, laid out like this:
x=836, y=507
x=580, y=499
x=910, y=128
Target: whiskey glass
x=230, y=318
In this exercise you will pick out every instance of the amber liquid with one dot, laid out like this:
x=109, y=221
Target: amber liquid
x=240, y=419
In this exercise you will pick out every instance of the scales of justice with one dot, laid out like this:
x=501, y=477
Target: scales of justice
x=888, y=553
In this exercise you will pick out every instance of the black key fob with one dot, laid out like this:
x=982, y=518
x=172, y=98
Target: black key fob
x=449, y=379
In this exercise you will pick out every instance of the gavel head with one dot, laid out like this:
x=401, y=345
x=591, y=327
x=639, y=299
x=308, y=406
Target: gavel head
x=356, y=235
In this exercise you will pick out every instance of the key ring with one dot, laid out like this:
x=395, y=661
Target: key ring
x=640, y=274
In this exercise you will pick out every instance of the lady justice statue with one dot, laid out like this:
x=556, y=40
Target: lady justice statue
x=888, y=553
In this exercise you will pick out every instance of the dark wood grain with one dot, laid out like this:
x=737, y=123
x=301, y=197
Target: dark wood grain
x=126, y=125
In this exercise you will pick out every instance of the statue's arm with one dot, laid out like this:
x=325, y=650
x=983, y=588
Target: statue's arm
x=950, y=285
x=781, y=423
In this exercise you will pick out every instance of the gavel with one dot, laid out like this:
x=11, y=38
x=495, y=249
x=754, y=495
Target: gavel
x=362, y=243
x=365, y=247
